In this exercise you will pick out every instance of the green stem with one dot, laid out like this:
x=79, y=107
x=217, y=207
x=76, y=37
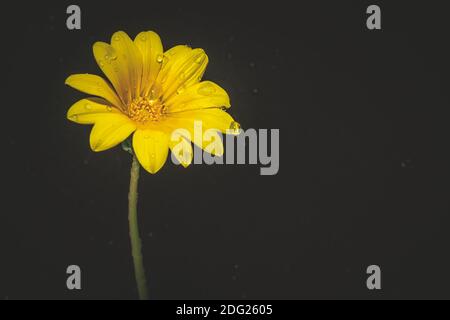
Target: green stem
x=136, y=245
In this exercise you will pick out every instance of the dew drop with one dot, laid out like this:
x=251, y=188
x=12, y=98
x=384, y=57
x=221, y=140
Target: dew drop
x=108, y=108
x=206, y=90
x=88, y=106
x=200, y=59
x=74, y=117
x=180, y=90
x=116, y=38
x=235, y=127
x=143, y=38
x=159, y=58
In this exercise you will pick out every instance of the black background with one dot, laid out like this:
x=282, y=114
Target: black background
x=364, y=169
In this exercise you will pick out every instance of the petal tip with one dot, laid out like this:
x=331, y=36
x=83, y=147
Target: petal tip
x=68, y=80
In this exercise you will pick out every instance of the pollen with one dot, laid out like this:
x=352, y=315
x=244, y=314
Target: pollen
x=143, y=110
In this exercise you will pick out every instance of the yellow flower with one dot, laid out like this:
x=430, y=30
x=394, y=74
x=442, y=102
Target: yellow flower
x=151, y=93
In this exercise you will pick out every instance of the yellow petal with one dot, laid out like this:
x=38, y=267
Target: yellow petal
x=110, y=130
x=126, y=49
x=202, y=95
x=200, y=124
x=181, y=68
x=151, y=48
x=151, y=148
x=95, y=85
x=88, y=111
x=181, y=148
x=209, y=119
x=114, y=67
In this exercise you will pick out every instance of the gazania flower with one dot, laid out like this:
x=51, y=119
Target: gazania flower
x=150, y=94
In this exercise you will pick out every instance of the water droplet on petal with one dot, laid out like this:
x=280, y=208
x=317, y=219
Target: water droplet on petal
x=109, y=109
x=143, y=37
x=206, y=90
x=159, y=58
x=74, y=117
x=116, y=38
x=235, y=127
x=200, y=59
x=88, y=106
x=180, y=90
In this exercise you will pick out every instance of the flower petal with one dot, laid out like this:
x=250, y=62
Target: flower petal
x=88, y=111
x=151, y=148
x=114, y=66
x=209, y=119
x=126, y=48
x=181, y=68
x=95, y=85
x=181, y=148
x=151, y=48
x=200, y=124
x=110, y=130
x=202, y=95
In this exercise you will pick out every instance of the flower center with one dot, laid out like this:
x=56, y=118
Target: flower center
x=144, y=109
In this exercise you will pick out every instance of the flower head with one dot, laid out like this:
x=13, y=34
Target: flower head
x=150, y=94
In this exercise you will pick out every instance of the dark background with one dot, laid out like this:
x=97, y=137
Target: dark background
x=364, y=171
